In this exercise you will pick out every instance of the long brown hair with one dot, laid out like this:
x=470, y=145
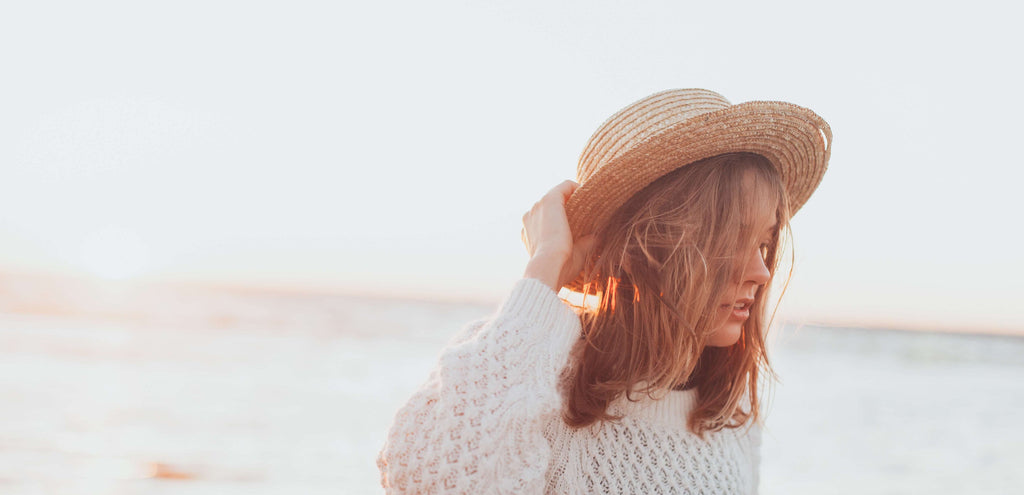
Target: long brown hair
x=660, y=269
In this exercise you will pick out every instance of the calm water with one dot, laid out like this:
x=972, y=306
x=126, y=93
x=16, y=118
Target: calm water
x=225, y=394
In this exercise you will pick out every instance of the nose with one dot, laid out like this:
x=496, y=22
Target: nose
x=756, y=270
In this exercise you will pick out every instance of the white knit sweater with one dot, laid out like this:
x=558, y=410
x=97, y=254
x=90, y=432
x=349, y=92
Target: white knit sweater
x=488, y=421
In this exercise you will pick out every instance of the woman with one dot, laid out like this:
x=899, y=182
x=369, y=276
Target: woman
x=651, y=386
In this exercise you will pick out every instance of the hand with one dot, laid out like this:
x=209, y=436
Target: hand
x=555, y=257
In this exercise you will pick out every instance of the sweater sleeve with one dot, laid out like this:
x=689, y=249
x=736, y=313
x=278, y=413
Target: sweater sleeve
x=476, y=425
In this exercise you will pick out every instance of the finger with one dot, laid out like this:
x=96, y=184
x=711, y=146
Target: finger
x=564, y=190
x=524, y=235
x=585, y=244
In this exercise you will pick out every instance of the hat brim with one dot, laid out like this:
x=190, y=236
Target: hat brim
x=794, y=139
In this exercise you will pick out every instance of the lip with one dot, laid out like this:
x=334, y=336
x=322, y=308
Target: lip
x=741, y=313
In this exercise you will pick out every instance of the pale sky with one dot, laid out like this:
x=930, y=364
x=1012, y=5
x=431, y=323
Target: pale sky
x=392, y=147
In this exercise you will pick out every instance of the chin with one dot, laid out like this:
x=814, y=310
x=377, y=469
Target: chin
x=726, y=335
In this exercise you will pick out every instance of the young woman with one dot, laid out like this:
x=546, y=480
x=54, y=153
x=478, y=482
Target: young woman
x=673, y=233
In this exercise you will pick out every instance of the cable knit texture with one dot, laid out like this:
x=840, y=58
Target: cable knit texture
x=488, y=420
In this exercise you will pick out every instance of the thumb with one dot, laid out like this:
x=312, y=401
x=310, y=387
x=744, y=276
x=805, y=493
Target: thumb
x=580, y=249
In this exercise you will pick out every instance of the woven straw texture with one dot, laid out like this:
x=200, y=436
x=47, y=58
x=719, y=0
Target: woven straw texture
x=671, y=129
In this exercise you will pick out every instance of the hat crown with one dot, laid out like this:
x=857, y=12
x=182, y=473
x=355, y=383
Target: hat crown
x=640, y=121
x=665, y=131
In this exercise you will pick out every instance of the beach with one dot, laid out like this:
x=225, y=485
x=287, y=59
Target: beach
x=250, y=392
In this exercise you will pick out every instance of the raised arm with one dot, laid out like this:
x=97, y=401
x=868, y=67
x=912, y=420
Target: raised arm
x=477, y=425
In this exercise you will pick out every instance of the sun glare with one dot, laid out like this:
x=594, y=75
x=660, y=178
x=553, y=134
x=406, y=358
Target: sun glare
x=114, y=254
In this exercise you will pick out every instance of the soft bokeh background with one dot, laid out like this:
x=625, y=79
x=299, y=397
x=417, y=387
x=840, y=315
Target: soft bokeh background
x=244, y=189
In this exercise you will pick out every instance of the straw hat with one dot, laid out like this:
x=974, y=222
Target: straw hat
x=670, y=129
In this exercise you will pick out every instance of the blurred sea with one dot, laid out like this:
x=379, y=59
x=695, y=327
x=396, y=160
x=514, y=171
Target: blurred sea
x=110, y=389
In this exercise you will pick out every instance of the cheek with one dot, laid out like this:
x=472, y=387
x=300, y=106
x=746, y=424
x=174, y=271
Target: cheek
x=723, y=314
x=726, y=334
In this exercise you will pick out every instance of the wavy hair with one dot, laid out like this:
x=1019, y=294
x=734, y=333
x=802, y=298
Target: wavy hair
x=659, y=270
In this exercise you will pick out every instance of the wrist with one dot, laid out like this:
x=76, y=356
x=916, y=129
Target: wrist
x=546, y=268
x=553, y=255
